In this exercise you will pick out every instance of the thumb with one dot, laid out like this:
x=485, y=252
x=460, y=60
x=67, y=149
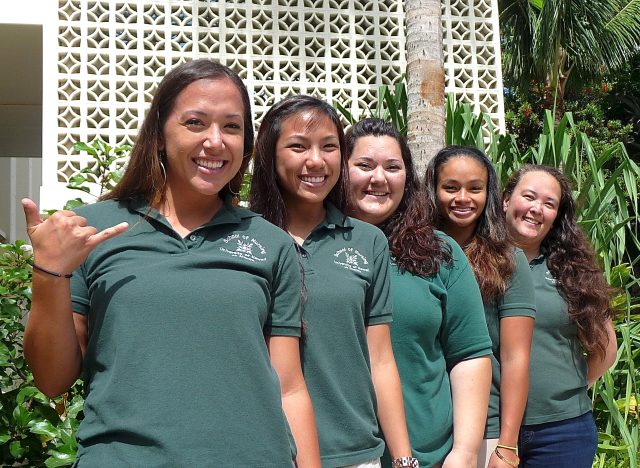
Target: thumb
x=31, y=213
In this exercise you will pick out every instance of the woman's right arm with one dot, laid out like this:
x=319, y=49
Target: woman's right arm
x=55, y=337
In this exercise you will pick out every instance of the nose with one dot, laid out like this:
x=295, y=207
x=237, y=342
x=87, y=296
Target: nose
x=377, y=175
x=214, y=138
x=314, y=157
x=462, y=195
x=536, y=206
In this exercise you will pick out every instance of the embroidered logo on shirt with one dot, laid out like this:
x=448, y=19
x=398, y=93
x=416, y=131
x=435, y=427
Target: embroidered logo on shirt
x=246, y=247
x=550, y=278
x=351, y=259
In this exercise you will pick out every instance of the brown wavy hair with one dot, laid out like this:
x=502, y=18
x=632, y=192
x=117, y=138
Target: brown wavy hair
x=572, y=262
x=489, y=252
x=144, y=177
x=413, y=244
x=265, y=196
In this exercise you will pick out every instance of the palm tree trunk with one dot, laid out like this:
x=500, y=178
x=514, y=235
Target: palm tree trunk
x=425, y=80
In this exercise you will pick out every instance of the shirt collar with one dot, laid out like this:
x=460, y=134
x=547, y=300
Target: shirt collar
x=541, y=258
x=335, y=218
x=227, y=214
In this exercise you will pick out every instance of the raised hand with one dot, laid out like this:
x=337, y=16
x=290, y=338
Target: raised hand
x=63, y=241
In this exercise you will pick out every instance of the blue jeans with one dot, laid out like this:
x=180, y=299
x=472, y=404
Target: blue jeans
x=570, y=443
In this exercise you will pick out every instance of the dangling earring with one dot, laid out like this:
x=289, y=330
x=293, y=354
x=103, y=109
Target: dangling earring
x=235, y=199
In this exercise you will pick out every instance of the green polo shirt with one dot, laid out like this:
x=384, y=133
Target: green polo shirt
x=518, y=301
x=346, y=265
x=558, y=370
x=437, y=322
x=177, y=371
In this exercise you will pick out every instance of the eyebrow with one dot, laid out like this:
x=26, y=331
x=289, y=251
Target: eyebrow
x=204, y=114
x=303, y=136
x=536, y=193
x=476, y=181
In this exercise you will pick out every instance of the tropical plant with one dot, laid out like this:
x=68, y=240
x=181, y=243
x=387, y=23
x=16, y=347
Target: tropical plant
x=557, y=43
x=100, y=170
x=391, y=105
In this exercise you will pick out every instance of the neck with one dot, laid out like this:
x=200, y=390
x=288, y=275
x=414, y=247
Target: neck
x=186, y=213
x=462, y=235
x=530, y=252
x=302, y=218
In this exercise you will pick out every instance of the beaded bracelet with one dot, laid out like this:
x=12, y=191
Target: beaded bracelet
x=49, y=272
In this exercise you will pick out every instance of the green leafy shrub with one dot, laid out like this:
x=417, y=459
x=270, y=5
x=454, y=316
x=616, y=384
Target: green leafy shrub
x=34, y=429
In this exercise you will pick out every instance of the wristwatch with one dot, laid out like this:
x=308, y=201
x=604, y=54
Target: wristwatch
x=405, y=462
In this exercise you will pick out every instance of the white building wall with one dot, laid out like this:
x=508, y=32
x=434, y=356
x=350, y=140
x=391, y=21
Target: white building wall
x=103, y=59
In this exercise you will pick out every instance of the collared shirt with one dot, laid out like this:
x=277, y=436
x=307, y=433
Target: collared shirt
x=346, y=264
x=438, y=322
x=558, y=369
x=177, y=370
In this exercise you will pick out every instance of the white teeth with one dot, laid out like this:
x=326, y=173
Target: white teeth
x=377, y=194
x=312, y=180
x=208, y=164
x=532, y=221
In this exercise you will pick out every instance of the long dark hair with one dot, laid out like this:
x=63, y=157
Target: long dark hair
x=489, y=251
x=144, y=177
x=572, y=262
x=413, y=244
x=265, y=196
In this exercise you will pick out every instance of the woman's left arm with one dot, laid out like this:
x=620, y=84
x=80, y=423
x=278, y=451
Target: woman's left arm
x=386, y=382
x=296, y=403
x=597, y=364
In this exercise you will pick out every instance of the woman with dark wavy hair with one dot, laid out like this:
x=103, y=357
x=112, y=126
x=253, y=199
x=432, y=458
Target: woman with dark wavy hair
x=180, y=309
x=574, y=342
x=463, y=184
x=300, y=183
x=439, y=334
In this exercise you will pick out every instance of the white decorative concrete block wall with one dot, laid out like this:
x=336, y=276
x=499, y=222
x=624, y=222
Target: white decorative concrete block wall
x=112, y=53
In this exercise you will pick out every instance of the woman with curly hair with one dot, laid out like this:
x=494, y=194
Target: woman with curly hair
x=574, y=342
x=463, y=185
x=439, y=334
x=300, y=183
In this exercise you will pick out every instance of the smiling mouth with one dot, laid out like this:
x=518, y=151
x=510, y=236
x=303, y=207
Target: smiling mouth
x=462, y=210
x=208, y=163
x=531, y=221
x=376, y=193
x=313, y=179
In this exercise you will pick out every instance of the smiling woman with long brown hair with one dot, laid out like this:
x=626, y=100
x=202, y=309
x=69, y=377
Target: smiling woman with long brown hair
x=463, y=184
x=574, y=318
x=180, y=309
x=439, y=334
x=300, y=183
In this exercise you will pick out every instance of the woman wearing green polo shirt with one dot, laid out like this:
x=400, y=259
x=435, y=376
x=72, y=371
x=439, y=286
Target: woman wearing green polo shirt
x=463, y=185
x=182, y=312
x=300, y=183
x=574, y=342
x=439, y=333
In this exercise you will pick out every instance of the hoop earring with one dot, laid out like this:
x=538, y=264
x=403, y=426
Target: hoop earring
x=235, y=199
x=163, y=156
